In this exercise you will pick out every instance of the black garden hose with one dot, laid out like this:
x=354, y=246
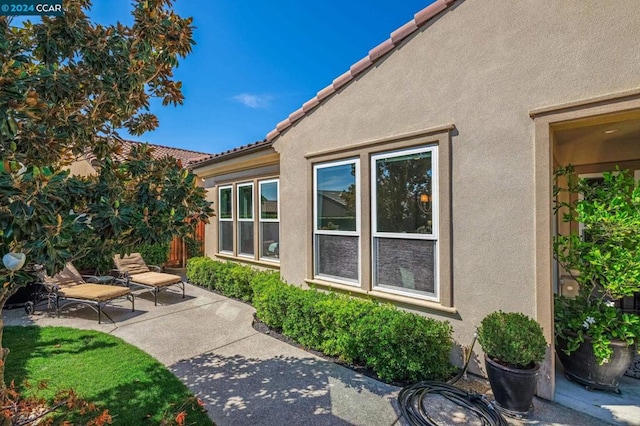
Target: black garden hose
x=411, y=397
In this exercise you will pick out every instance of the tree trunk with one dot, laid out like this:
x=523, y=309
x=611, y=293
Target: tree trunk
x=4, y=352
x=3, y=356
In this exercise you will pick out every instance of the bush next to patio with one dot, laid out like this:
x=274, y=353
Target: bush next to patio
x=397, y=345
x=235, y=281
x=228, y=278
x=201, y=270
x=271, y=298
x=154, y=254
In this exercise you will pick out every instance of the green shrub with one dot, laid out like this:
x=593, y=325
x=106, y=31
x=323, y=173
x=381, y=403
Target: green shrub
x=201, y=270
x=235, y=281
x=397, y=345
x=512, y=338
x=339, y=316
x=95, y=263
x=302, y=322
x=154, y=254
x=194, y=246
x=271, y=298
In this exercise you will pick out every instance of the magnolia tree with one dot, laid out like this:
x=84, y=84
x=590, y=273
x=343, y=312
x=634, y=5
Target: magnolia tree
x=66, y=86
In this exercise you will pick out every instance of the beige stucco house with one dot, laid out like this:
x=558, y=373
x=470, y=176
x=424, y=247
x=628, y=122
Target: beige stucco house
x=422, y=176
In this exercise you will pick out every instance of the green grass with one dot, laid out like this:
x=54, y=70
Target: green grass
x=103, y=369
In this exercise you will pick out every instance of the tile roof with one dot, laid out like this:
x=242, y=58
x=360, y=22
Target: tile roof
x=396, y=37
x=244, y=149
x=185, y=156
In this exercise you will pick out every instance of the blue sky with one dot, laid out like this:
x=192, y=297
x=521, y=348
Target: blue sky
x=256, y=61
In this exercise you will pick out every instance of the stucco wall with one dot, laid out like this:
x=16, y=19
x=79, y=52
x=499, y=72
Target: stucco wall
x=210, y=231
x=483, y=66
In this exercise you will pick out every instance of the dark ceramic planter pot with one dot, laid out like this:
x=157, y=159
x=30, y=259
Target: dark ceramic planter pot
x=581, y=366
x=513, y=388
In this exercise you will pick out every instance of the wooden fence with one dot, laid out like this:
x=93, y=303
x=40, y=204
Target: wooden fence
x=178, y=250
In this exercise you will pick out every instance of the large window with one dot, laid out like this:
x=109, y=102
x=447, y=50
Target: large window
x=245, y=220
x=382, y=219
x=225, y=219
x=404, y=221
x=269, y=220
x=249, y=220
x=336, y=221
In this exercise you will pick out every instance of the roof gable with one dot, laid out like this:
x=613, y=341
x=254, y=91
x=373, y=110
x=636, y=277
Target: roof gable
x=396, y=37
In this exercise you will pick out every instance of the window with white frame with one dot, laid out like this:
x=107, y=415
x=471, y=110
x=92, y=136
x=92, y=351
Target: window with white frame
x=269, y=220
x=245, y=220
x=225, y=219
x=336, y=221
x=404, y=205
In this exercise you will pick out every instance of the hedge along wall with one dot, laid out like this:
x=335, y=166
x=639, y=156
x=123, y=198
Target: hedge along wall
x=397, y=345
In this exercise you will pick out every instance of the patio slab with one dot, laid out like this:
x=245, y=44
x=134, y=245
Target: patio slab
x=247, y=378
x=622, y=409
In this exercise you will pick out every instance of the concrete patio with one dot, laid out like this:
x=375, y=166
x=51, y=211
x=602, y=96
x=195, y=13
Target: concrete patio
x=247, y=378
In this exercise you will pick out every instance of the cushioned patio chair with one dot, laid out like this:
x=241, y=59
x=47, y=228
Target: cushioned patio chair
x=69, y=287
x=133, y=271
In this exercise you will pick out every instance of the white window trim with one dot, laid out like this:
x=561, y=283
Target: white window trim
x=277, y=182
x=317, y=231
x=221, y=219
x=252, y=219
x=261, y=220
x=435, y=296
x=316, y=167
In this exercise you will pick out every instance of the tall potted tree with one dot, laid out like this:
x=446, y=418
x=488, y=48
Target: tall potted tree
x=595, y=340
x=513, y=345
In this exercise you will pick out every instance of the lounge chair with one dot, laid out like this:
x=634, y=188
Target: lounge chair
x=70, y=287
x=133, y=271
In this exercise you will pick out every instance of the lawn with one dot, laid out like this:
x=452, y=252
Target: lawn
x=103, y=369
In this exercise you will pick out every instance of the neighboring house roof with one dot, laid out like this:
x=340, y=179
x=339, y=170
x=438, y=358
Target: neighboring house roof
x=241, y=150
x=419, y=19
x=185, y=156
x=335, y=196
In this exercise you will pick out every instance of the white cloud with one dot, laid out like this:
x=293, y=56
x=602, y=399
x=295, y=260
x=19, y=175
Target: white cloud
x=253, y=101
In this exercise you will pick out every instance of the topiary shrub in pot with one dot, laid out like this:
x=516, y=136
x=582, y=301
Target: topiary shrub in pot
x=513, y=345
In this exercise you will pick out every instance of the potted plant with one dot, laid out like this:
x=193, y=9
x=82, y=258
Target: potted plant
x=595, y=340
x=513, y=345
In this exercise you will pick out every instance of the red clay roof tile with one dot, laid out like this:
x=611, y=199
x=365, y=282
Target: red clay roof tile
x=380, y=50
x=360, y=66
x=401, y=33
x=326, y=92
x=283, y=124
x=296, y=114
x=342, y=80
x=159, y=151
x=309, y=105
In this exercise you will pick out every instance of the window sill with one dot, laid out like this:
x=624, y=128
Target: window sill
x=387, y=297
x=265, y=263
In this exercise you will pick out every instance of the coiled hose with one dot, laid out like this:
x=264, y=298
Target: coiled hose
x=411, y=397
